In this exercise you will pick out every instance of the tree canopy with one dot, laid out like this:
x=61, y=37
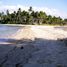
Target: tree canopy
x=30, y=17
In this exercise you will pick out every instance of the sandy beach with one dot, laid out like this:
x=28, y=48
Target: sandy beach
x=35, y=46
x=46, y=32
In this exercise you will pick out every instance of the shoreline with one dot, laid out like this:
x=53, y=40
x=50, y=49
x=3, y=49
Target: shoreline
x=35, y=31
x=33, y=25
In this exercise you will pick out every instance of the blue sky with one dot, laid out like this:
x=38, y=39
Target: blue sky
x=54, y=5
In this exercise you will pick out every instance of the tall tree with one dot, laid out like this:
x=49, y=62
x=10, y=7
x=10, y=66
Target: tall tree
x=49, y=19
x=19, y=20
x=42, y=15
x=30, y=10
x=7, y=12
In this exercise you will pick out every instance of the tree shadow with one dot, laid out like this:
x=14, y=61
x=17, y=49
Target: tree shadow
x=21, y=52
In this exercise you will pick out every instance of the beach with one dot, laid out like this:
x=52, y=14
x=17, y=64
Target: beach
x=34, y=46
x=45, y=32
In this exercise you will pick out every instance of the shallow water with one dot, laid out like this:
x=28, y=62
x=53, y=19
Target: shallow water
x=6, y=31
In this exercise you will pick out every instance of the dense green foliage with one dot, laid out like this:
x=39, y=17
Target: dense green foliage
x=30, y=17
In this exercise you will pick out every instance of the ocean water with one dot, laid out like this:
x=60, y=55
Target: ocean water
x=6, y=31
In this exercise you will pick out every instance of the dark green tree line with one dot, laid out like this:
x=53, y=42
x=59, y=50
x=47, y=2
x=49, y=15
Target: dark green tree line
x=30, y=17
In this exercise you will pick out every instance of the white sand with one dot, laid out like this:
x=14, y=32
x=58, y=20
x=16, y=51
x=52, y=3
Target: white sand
x=24, y=33
x=46, y=32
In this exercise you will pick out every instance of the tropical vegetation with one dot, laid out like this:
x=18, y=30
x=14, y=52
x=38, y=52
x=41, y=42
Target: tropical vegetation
x=30, y=17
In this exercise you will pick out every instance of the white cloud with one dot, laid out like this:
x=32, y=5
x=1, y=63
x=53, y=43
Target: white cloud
x=12, y=8
x=51, y=11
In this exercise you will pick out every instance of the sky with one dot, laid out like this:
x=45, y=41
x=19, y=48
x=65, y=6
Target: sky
x=52, y=7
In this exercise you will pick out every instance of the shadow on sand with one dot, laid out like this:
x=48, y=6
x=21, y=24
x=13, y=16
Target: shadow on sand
x=28, y=53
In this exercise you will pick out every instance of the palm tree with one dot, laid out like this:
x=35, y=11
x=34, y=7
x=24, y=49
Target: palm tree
x=42, y=15
x=49, y=19
x=19, y=20
x=7, y=12
x=30, y=10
